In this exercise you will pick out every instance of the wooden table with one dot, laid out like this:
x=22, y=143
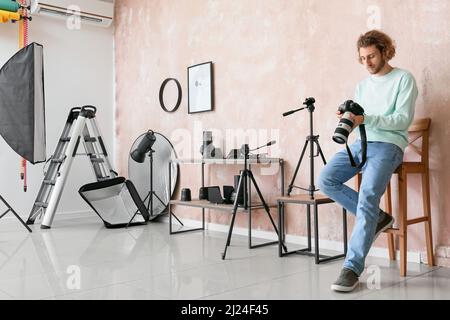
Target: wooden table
x=204, y=204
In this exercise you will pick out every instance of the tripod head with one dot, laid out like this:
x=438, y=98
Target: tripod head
x=309, y=102
x=245, y=149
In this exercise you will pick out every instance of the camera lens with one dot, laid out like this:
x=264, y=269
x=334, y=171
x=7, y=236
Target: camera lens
x=343, y=129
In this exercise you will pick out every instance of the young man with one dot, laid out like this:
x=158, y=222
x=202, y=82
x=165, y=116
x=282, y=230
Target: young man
x=388, y=97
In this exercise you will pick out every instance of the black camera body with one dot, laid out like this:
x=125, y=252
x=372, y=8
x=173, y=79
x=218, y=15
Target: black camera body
x=350, y=106
x=345, y=125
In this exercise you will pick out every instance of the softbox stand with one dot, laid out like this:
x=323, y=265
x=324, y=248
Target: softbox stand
x=151, y=193
x=14, y=212
x=22, y=107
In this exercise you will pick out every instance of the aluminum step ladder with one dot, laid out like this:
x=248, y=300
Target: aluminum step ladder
x=80, y=127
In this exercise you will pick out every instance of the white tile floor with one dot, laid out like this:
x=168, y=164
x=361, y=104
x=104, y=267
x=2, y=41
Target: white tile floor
x=144, y=262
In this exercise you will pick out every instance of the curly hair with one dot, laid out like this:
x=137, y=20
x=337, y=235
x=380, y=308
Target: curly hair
x=382, y=41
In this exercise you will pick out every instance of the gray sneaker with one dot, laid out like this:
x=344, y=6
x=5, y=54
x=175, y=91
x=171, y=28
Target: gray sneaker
x=385, y=222
x=347, y=281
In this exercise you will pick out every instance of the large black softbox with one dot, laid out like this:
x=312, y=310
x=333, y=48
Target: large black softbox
x=22, y=106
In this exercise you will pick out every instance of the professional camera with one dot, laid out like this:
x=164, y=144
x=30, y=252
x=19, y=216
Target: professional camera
x=207, y=149
x=345, y=126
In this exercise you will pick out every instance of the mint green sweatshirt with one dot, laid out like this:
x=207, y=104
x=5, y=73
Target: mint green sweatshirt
x=389, y=103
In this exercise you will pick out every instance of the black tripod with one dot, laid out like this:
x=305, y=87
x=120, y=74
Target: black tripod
x=311, y=140
x=244, y=178
x=150, y=195
x=12, y=210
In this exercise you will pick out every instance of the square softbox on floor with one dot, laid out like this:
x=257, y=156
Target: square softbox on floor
x=115, y=201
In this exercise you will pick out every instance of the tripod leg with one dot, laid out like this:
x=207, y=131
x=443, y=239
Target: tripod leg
x=132, y=218
x=291, y=185
x=233, y=217
x=320, y=152
x=158, y=198
x=169, y=212
x=137, y=210
x=266, y=207
x=148, y=195
x=17, y=216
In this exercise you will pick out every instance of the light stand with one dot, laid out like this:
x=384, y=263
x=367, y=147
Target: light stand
x=12, y=210
x=138, y=155
x=311, y=140
x=244, y=178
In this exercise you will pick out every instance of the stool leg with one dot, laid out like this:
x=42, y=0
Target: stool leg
x=344, y=227
x=427, y=213
x=280, y=228
x=308, y=225
x=388, y=208
x=402, y=196
x=316, y=234
x=403, y=254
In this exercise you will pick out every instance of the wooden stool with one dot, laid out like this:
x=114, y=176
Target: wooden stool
x=419, y=129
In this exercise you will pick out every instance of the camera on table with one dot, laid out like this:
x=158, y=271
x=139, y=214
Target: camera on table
x=208, y=150
x=346, y=123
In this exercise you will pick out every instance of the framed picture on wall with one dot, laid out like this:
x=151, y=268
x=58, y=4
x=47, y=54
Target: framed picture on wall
x=200, y=87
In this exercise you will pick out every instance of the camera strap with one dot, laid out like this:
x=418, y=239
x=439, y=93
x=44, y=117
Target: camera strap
x=362, y=132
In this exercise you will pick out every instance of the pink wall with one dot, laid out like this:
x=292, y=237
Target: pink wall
x=268, y=56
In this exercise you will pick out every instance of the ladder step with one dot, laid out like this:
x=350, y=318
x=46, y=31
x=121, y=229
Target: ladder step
x=41, y=204
x=80, y=128
x=94, y=155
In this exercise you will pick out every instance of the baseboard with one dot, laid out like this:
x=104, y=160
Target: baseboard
x=442, y=256
x=443, y=262
x=75, y=214
x=59, y=215
x=378, y=252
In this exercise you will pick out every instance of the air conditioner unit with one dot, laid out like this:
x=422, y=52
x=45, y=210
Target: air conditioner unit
x=95, y=12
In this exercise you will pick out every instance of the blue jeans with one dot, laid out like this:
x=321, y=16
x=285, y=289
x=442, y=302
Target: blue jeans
x=382, y=160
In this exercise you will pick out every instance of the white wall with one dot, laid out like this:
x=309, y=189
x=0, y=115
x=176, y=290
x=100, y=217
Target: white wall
x=78, y=71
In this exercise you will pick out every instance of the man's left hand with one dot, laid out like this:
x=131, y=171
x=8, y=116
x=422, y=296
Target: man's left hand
x=357, y=120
